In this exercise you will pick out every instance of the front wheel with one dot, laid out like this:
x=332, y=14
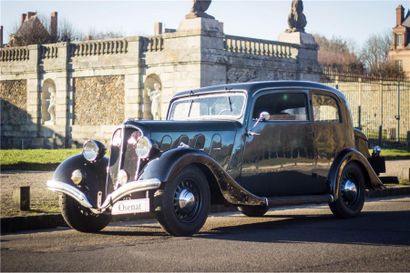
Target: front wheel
x=182, y=206
x=351, y=192
x=81, y=218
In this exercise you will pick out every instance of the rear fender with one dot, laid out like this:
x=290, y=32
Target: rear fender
x=94, y=174
x=170, y=163
x=343, y=158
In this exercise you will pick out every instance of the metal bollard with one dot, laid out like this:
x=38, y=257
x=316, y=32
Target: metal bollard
x=21, y=198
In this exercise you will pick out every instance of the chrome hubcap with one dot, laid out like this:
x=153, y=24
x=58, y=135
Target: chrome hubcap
x=186, y=200
x=349, y=191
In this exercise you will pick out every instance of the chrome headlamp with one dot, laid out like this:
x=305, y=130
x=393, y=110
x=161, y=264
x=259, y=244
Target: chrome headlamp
x=93, y=150
x=143, y=147
x=376, y=151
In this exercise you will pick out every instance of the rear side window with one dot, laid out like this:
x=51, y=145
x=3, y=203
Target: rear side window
x=282, y=106
x=325, y=109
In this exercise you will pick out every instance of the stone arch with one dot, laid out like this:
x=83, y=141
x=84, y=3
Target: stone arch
x=48, y=95
x=152, y=97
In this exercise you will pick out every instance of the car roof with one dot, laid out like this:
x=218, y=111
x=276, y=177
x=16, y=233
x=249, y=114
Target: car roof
x=252, y=87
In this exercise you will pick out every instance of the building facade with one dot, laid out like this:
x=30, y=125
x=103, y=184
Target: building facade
x=400, y=51
x=58, y=95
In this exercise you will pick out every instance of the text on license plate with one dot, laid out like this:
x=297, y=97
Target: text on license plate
x=131, y=206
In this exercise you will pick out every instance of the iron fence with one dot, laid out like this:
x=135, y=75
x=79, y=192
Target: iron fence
x=379, y=106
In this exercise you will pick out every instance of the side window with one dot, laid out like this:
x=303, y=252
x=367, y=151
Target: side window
x=325, y=109
x=282, y=106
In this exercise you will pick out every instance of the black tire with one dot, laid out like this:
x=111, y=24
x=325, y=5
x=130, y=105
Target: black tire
x=181, y=218
x=253, y=211
x=81, y=218
x=350, y=203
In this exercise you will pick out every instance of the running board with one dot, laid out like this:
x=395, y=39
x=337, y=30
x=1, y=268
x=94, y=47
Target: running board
x=299, y=200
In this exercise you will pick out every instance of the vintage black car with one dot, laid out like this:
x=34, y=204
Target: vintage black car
x=254, y=145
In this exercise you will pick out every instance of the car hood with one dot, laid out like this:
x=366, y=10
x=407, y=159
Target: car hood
x=209, y=136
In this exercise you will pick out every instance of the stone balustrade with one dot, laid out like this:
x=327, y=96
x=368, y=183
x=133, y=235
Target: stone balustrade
x=14, y=54
x=49, y=51
x=100, y=47
x=155, y=43
x=259, y=47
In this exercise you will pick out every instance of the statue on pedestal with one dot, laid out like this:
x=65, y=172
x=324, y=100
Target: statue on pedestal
x=297, y=20
x=198, y=9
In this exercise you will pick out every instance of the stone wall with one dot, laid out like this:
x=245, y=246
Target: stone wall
x=381, y=102
x=98, y=100
x=13, y=95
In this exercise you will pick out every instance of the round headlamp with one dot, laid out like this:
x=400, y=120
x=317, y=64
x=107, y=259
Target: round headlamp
x=143, y=147
x=93, y=150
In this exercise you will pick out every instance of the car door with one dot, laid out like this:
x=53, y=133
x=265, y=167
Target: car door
x=328, y=131
x=278, y=155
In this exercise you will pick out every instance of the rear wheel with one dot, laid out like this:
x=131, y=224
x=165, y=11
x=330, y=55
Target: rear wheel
x=253, y=211
x=350, y=192
x=182, y=206
x=81, y=218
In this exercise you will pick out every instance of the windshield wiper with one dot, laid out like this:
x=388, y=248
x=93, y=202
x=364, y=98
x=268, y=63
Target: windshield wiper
x=230, y=104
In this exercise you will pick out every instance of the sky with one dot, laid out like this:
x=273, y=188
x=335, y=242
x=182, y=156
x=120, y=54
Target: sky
x=353, y=20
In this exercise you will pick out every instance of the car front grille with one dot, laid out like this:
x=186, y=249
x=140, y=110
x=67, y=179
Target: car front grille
x=123, y=156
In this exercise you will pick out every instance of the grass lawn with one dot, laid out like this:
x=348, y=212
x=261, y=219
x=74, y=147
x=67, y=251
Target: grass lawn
x=394, y=153
x=35, y=156
x=54, y=156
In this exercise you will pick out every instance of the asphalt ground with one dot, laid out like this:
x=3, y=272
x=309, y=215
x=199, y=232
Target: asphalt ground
x=288, y=239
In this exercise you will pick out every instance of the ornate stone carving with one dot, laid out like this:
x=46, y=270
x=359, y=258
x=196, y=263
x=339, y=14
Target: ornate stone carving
x=52, y=106
x=198, y=9
x=297, y=20
x=155, y=97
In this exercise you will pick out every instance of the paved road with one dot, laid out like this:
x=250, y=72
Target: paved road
x=292, y=239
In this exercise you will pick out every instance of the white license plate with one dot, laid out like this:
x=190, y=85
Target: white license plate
x=131, y=206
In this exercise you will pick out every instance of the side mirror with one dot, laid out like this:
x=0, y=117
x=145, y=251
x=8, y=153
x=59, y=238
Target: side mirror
x=263, y=116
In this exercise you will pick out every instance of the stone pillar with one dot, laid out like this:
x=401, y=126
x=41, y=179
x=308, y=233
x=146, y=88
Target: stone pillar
x=133, y=79
x=34, y=93
x=62, y=125
x=308, y=65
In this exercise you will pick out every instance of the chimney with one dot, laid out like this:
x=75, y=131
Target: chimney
x=30, y=14
x=158, y=28
x=1, y=36
x=23, y=18
x=399, y=15
x=53, y=25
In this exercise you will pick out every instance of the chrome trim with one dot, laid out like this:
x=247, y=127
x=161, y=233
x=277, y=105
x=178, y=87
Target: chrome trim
x=130, y=187
x=74, y=192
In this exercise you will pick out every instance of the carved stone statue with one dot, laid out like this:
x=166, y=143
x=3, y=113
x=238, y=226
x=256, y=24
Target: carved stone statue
x=52, y=106
x=155, y=97
x=198, y=9
x=296, y=20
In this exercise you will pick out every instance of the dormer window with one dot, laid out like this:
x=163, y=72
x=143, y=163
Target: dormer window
x=398, y=39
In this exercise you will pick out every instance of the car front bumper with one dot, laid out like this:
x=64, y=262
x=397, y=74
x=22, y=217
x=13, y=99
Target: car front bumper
x=111, y=199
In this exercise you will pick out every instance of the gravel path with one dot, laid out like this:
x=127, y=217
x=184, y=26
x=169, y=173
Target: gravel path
x=43, y=200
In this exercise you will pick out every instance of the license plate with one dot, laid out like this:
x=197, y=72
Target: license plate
x=131, y=206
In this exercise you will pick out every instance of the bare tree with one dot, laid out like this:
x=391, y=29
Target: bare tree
x=374, y=56
x=375, y=52
x=338, y=55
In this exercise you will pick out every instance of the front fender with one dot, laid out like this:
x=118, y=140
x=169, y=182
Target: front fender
x=346, y=156
x=95, y=175
x=170, y=163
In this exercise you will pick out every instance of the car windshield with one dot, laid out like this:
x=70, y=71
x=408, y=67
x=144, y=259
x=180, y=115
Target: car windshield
x=216, y=106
